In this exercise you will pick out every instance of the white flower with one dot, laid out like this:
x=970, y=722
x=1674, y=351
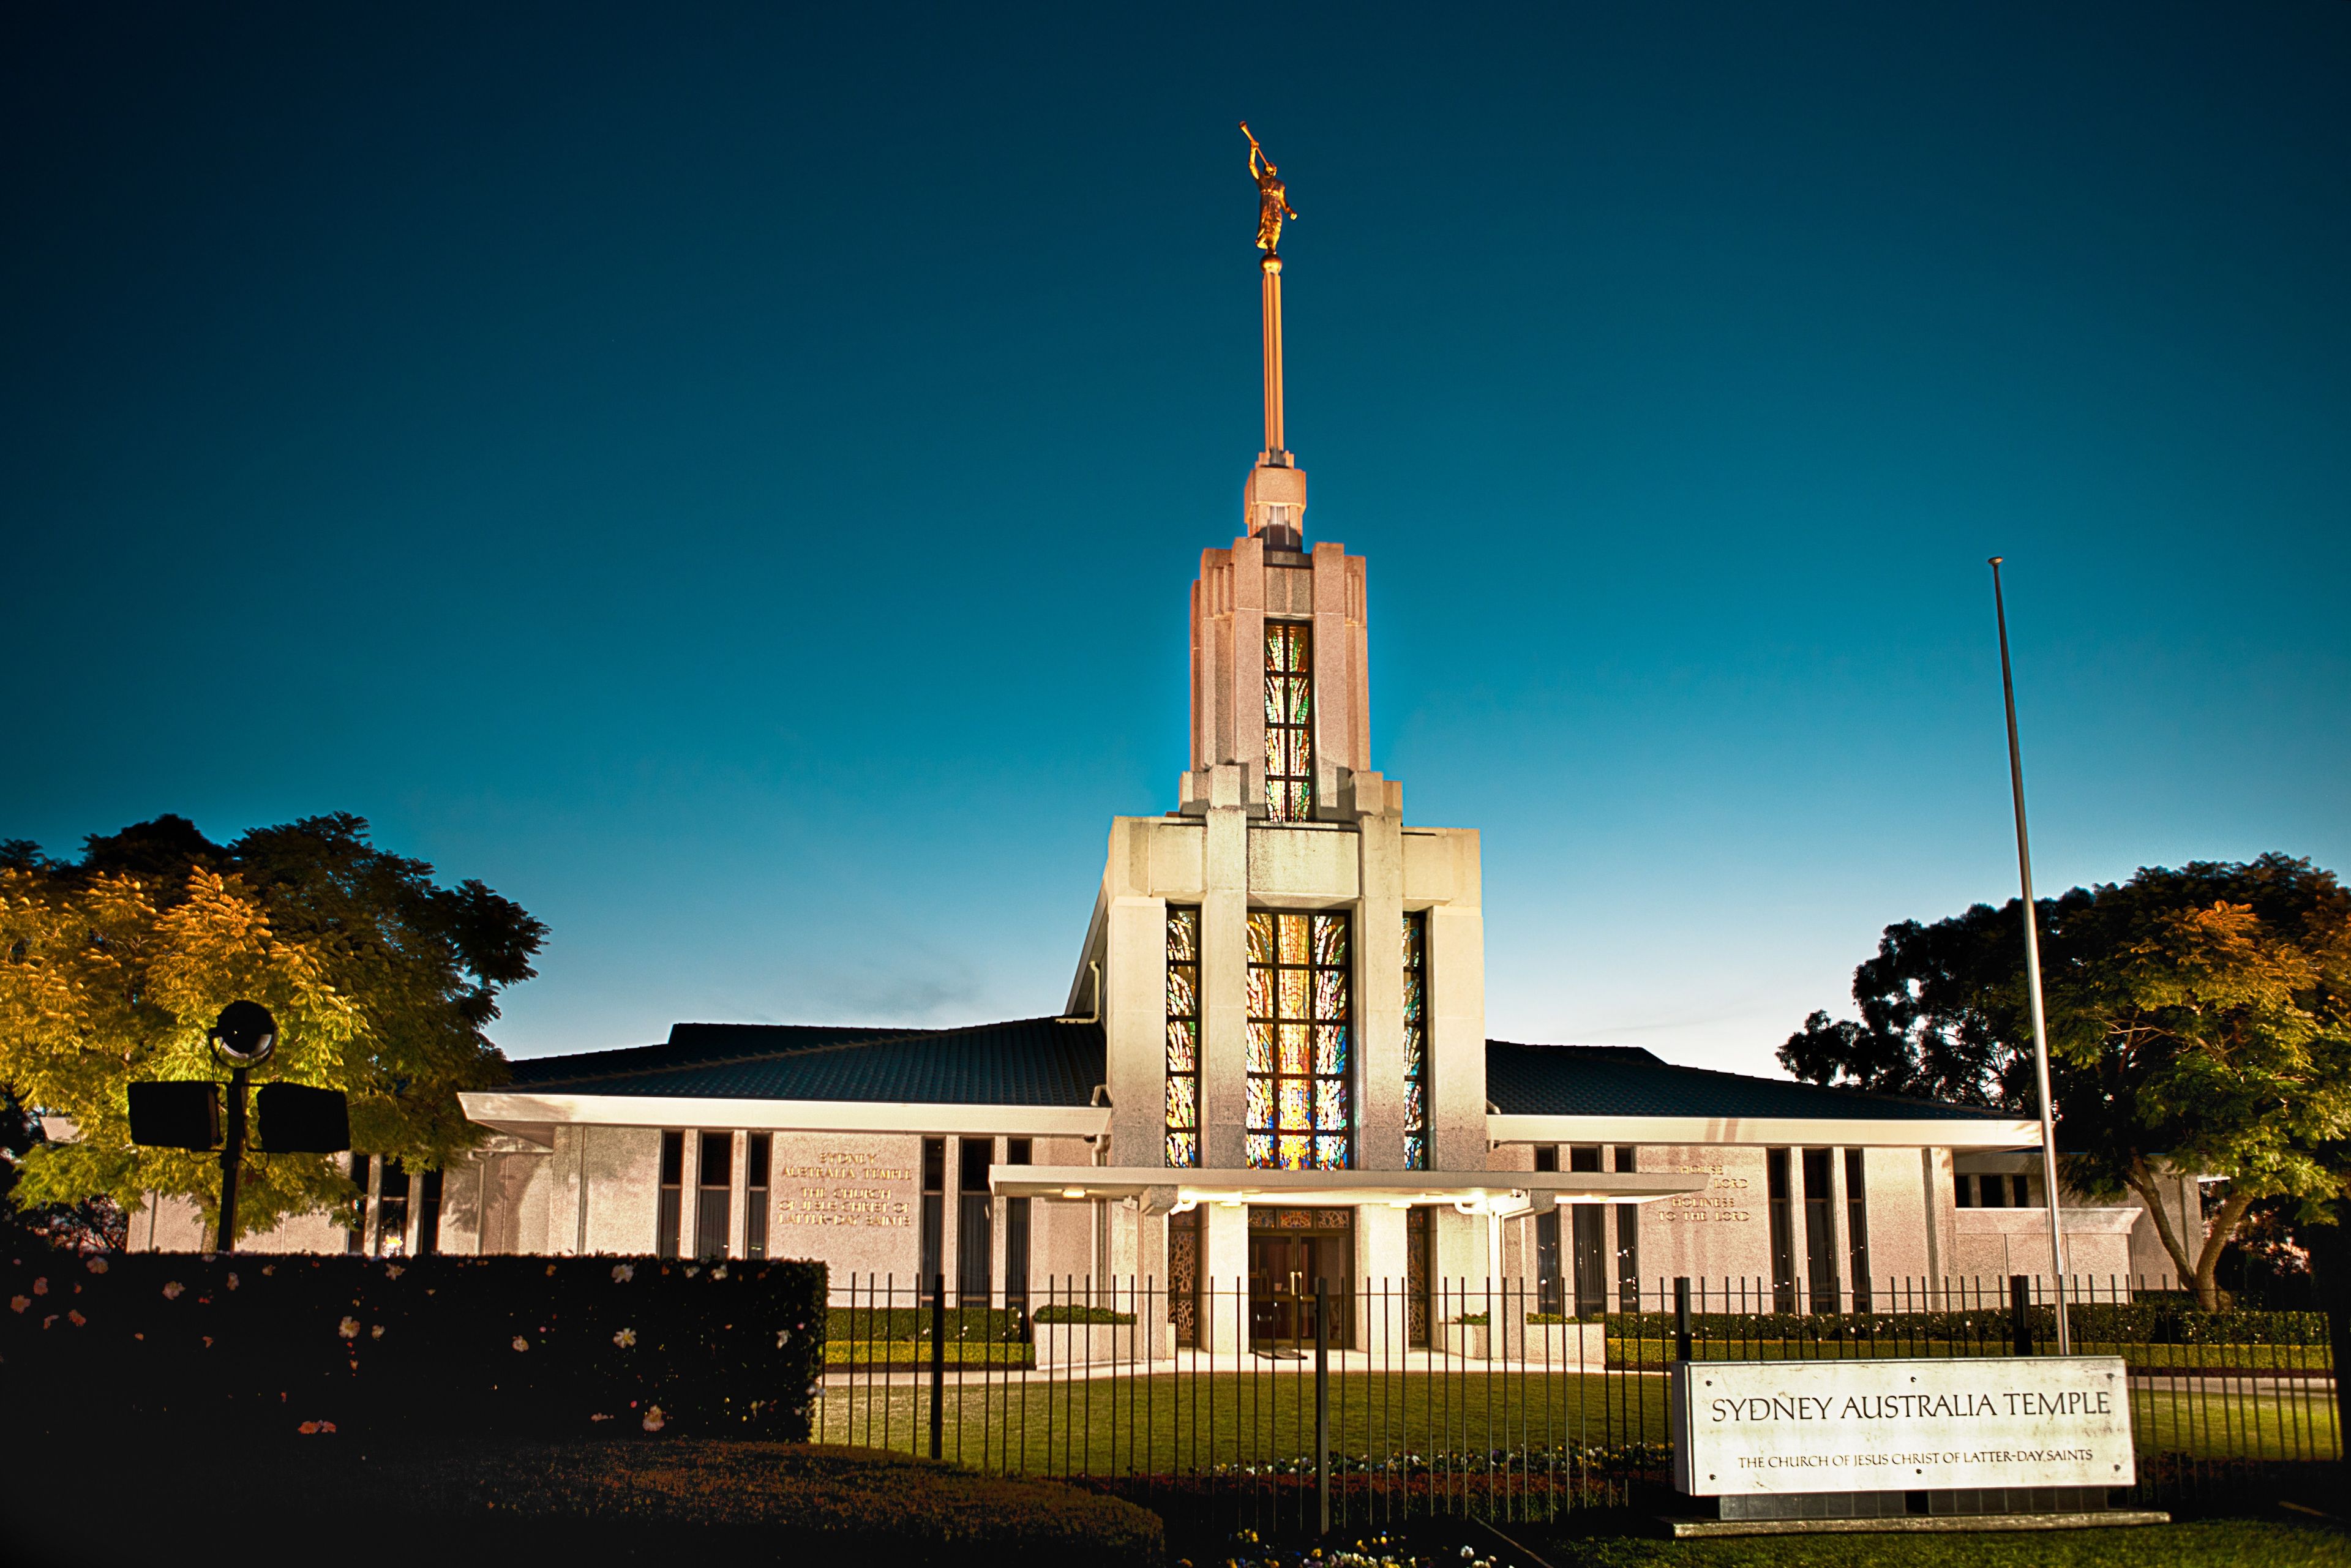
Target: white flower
x=783, y=1337
x=520, y=1342
x=392, y=1271
x=625, y=1338
x=98, y=1265
x=376, y=1332
x=691, y=1270
x=719, y=1272
x=349, y=1328
x=624, y=1273
x=654, y=1420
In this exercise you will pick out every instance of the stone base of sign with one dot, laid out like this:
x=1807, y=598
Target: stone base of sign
x=1693, y=1528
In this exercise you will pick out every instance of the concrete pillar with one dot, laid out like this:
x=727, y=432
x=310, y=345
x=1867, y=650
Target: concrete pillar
x=1224, y=976
x=1135, y=1010
x=1379, y=989
x=738, y=1196
x=1248, y=673
x=1456, y=1017
x=1382, y=1271
x=1224, y=1247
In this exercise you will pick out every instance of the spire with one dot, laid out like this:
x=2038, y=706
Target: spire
x=1274, y=501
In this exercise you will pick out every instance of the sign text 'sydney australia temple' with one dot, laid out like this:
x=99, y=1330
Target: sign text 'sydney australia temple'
x=1272, y=1065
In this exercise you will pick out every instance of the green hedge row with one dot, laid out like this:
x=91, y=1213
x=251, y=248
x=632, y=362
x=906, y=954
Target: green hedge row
x=964, y=1325
x=256, y=1344
x=2158, y=1321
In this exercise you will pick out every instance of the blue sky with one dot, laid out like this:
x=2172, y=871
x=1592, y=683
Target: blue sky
x=729, y=477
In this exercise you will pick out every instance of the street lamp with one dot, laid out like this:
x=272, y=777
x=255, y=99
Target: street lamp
x=243, y=1037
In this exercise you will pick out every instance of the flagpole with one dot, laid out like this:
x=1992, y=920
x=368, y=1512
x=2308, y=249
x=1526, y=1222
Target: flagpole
x=2032, y=974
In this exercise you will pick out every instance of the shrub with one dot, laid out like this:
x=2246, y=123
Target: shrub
x=982, y=1325
x=255, y=1344
x=1066, y=1312
x=2161, y=1321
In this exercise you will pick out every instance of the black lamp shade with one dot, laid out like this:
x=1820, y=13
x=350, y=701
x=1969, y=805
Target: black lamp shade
x=176, y=1116
x=297, y=1120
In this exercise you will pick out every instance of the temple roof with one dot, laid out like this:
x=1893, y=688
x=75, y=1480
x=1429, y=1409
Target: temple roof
x=1028, y=1061
x=1054, y=1062
x=1626, y=1080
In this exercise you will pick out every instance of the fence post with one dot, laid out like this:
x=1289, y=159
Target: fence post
x=1681, y=1318
x=2020, y=1325
x=1321, y=1406
x=938, y=1363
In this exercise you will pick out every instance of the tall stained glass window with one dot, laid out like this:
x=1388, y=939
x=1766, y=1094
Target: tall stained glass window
x=1183, y=1036
x=1289, y=721
x=1415, y=1040
x=1298, y=1031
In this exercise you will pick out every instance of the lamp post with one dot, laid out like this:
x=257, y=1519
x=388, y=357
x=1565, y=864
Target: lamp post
x=2032, y=974
x=243, y=1037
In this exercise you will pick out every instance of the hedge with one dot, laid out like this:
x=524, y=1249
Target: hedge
x=985, y=1326
x=2157, y=1322
x=255, y=1345
x=599, y=1500
x=1069, y=1313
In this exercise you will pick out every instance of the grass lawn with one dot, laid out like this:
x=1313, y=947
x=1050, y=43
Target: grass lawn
x=1164, y=1422
x=2206, y=1543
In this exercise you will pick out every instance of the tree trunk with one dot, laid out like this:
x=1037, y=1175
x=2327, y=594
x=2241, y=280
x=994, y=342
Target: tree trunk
x=2216, y=1239
x=2142, y=1179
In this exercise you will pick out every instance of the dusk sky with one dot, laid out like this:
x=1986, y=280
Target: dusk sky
x=730, y=477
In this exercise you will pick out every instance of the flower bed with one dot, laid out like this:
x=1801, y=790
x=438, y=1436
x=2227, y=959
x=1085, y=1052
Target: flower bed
x=255, y=1345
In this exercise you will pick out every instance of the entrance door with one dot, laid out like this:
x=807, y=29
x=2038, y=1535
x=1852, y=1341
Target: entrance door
x=1283, y=1267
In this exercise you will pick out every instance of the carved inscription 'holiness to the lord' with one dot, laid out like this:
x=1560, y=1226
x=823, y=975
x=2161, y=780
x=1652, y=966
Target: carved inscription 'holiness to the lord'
x=848, y=1191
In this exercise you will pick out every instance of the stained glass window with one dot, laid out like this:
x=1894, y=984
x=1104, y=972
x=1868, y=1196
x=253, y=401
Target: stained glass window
x=1416, y=1041
x=1289, y=721
x=1183, y=1036
x=1300, y=1030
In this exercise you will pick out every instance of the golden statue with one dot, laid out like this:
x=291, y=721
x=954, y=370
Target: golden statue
x=1272, y=198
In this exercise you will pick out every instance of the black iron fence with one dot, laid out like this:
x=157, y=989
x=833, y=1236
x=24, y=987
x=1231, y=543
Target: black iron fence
x=1360, y=1404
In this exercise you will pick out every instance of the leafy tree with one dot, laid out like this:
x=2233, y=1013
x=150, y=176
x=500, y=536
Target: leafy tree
x=2200, y=1021
x=111, y=970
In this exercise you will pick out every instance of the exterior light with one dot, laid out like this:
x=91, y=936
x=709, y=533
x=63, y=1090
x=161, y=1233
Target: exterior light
x=1073, y=1192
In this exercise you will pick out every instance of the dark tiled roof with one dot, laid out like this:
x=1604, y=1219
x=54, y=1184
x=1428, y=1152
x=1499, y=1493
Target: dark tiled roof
x=1625, y=1080
x=696, y=1045
x=1028, y=1062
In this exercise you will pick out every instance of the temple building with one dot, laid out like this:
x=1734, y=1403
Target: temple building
x=1272, y=1064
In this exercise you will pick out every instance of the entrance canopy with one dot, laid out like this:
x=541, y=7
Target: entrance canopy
x=1159, y=1190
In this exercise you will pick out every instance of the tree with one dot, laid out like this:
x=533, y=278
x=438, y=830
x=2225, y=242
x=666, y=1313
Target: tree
x=2200, y=1021
x=111, y=970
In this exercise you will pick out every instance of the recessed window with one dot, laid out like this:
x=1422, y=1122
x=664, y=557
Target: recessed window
x=1289, y=721
x=759, y=1160
x=671, y=1215
x=391, y=1210
x=710, y=1210
x=1183, y=1036
x=1299, y=1113
x=1415, y=1040
x=975, y=1208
